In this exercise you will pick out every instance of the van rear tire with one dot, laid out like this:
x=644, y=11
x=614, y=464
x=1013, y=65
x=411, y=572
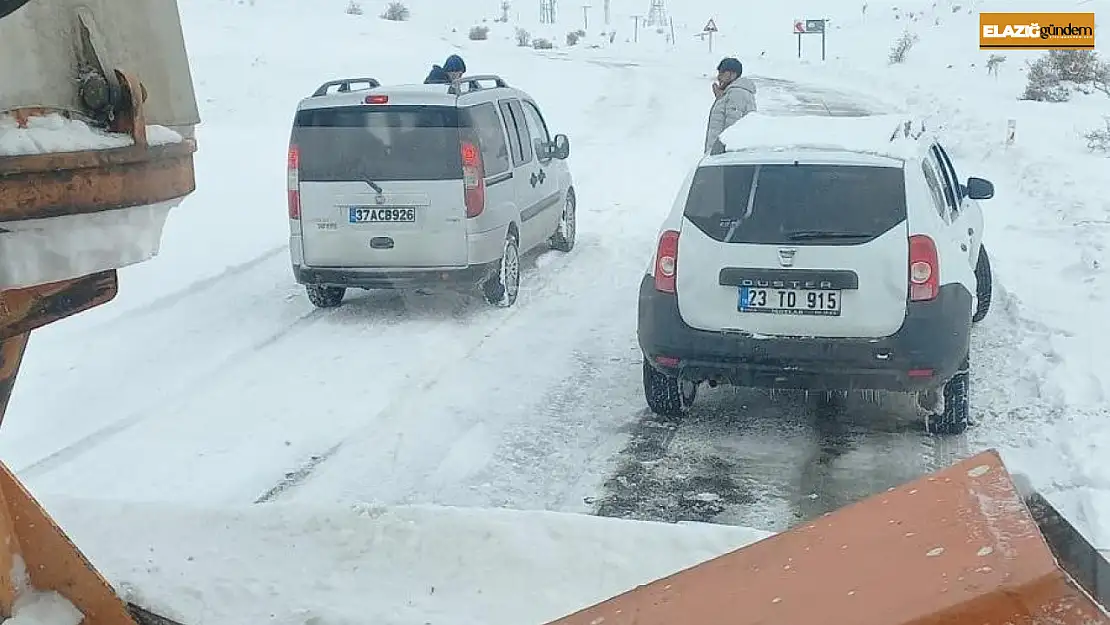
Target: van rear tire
x=501, y=288
x=567, y=230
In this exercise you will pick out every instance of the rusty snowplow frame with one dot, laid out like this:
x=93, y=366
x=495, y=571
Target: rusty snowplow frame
x=968, y=545
x=70, y=219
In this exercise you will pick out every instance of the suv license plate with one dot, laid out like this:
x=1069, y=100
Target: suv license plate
x=380, y=215
x=789, y=301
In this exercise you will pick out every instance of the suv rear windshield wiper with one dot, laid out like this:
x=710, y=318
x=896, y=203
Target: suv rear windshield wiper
x=801, y=235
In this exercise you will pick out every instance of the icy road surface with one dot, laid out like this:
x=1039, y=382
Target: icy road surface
x=239, y=391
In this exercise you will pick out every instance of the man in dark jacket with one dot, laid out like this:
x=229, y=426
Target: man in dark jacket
x=451, y=70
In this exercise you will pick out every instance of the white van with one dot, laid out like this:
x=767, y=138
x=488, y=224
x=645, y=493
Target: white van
x=422, y=185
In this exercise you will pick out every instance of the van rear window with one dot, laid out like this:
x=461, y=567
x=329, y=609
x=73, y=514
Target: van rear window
x=378, y=143
x=796, y=204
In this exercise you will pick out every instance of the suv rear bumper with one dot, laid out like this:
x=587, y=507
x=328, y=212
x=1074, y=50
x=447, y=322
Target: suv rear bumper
x=925, y=352
x=360, y=278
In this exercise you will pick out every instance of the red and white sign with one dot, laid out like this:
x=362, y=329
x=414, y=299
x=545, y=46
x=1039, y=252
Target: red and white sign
x=710, y=27
x=799, y=26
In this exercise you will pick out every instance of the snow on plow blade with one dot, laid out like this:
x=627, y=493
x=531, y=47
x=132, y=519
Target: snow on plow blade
x=966, y=545
x=97, y=114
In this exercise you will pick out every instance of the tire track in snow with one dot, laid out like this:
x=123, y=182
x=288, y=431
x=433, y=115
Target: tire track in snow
x=195, y=288
x=91, y=441
x=492, y=324
x=471, y=446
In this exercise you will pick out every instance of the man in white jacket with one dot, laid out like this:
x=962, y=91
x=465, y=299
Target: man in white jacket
x=735, y=99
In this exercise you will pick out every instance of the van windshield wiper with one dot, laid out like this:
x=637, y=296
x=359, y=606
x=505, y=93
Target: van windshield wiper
x=801, y=235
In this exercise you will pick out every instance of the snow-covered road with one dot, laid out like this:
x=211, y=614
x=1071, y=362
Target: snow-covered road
x=247, y=393
x=238, y=391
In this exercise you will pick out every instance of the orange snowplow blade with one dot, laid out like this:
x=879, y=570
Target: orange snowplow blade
x=960, y=546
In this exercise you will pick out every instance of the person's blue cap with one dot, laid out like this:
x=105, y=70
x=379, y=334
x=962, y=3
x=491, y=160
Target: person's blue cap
x=454, y=63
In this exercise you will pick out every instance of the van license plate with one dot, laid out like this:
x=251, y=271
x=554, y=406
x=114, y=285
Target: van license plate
x=381, y=215
x=789, y=301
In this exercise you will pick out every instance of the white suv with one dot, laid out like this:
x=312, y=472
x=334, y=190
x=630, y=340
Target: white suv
x=423, y=185
x=819, y=253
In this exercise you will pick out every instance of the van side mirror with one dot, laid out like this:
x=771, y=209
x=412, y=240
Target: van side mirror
x=980, y=189
x=560, y=147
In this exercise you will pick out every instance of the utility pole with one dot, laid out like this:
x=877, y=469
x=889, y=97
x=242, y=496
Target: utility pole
x=585, y=17
x=636, y=28
x=607, y=14
x=547, y=11
x=657, y=15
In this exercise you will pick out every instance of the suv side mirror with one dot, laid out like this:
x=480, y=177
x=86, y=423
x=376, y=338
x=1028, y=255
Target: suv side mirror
x=980, y=189
x=560, y=147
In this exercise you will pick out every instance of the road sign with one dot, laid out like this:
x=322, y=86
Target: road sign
x=810, y=27
x=710, y=27
x=805, y=27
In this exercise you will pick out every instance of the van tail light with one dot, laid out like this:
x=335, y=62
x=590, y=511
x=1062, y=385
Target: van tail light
x=666, y=262
x=924, y=269
x=474, y=179
x=294, y=185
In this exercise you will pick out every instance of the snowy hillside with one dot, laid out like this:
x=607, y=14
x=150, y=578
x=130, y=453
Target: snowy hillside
x=212, y=383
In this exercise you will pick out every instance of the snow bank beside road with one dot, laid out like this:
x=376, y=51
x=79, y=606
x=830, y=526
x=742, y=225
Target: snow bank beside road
x=388, y=566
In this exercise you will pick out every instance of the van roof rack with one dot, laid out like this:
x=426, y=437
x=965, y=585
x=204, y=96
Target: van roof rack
x=344, y=85
x=473, y=83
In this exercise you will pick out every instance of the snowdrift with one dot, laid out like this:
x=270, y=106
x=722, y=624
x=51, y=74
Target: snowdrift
x=415, y=565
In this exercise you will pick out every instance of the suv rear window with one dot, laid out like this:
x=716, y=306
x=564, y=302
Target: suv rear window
x=378, y=143
x=796, y=204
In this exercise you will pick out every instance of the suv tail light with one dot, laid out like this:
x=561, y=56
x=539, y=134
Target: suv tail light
x=666, y=262
x=294, y=184
x=474, y=181
x=924, y=269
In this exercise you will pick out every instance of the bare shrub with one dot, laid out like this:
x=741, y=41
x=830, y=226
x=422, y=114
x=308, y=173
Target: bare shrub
x=994, y=61
x=523, y=37
x=574, y=36
x=902, y=47
x=479, y=33
x=1098, y=140
x=542, y=44
x=396, y=12
x=354, y=8
x=1056, y=75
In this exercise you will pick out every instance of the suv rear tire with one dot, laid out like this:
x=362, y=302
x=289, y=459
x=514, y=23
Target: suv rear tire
x=955, y=417
x=563, y=239
x=325, y=296
x=502, y=288
x=983, y=285
x=666, y=395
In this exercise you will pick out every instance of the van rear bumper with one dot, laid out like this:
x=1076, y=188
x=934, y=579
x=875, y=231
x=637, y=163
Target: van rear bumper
x=925, y=352
x=376, y=278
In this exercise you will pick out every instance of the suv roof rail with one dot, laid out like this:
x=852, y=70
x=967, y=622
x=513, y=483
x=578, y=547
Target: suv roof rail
x=344, y=85
x=473, y=83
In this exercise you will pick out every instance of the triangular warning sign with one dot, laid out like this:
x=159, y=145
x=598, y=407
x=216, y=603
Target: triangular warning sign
x=711, y=27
